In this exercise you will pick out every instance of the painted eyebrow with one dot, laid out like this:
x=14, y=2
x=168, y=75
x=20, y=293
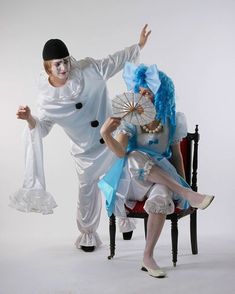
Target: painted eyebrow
x=61, y=60
x=56, y=62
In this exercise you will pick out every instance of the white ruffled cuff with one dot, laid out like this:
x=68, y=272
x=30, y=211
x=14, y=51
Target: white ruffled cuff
x=163, y=206
x=88, y=239
x=126, y=224
x=35, y=200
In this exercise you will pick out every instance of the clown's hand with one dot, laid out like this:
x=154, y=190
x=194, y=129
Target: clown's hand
x=24, y=113
x=144, y=36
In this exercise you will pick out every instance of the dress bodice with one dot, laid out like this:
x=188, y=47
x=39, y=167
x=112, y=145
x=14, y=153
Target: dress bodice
x=157, y=142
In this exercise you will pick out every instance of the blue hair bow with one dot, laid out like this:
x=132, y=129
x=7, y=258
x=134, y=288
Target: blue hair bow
x=141, y=76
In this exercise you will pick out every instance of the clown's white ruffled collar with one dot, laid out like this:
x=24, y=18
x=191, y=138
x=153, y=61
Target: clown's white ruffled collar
x=69, y=91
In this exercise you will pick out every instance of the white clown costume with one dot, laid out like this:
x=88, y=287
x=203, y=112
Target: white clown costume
x=80, y=107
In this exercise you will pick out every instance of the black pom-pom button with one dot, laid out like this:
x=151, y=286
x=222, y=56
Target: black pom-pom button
x=78, y=105
x=94, y=123
x=102, y=141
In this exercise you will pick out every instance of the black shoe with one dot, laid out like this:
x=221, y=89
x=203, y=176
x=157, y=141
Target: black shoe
x=88, y=248
x=127, y=235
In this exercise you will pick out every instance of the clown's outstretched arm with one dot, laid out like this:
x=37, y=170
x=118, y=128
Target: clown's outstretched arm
x=118, y=145
x=24, y=113
x=144, y=36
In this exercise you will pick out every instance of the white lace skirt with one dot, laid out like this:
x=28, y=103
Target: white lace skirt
x=133, y=186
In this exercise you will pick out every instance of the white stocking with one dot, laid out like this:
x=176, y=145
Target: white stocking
x=154, y=228
x=159, y=176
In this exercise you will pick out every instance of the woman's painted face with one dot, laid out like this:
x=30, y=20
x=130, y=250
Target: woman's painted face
x=146, y=92
x=60, y=68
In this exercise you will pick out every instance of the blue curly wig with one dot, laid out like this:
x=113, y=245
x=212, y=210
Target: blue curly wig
x=164, y=99
x=139, y=78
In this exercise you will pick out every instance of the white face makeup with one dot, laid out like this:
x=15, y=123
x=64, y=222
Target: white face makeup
x=60, y=68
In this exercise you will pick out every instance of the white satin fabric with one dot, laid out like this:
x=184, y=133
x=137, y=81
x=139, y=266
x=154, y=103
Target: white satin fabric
x=86, y=85
x=33, y=197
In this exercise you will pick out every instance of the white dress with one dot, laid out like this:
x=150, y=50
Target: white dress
x=133, y=185
x=80, y=107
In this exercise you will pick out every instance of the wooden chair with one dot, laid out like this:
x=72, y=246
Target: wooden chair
x=189, y=149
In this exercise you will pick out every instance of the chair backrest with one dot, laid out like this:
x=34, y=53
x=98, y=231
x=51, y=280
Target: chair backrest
x=189, y=150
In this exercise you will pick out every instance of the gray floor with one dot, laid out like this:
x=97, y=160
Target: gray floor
x=49, y=265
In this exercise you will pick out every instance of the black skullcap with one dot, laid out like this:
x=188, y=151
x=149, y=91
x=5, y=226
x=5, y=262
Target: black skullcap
x=54, y=49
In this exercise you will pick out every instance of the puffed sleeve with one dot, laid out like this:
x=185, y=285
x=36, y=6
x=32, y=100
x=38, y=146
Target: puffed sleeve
x=181, y=127
x=127, y=128
x=112, y=64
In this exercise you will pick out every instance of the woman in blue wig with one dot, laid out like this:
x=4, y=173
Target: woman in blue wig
x=150, y=164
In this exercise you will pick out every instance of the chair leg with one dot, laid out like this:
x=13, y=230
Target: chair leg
x=193, y=232
x=174, y=238
x=145, y=226
x=112, y=235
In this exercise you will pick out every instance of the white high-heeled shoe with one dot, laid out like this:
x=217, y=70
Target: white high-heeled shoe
x=205, y=202
x=156, y=273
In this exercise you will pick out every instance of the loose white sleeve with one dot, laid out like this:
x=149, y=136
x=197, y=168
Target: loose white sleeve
x=33, y=197
x=112, y=64
x=44, y=124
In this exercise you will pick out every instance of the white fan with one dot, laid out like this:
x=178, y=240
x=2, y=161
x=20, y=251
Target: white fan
x=134, y=108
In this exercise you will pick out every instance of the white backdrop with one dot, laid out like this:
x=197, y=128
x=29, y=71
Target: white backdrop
x=192, y=41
